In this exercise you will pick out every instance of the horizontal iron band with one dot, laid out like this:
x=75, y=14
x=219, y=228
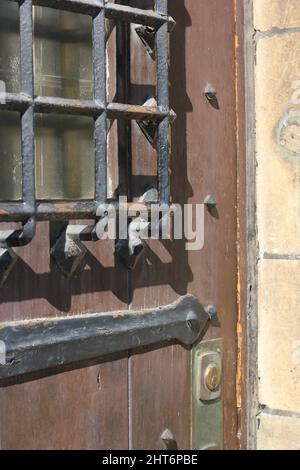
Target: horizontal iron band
x=41, y=104
x=112, y=11
x=66, y=106
x=15, y=102
x=139, y=16
x=40, y=345
x=64, y=210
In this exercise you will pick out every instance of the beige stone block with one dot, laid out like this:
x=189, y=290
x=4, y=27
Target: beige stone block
x=277, y=75
x=278, y=432
x=270, y=14
x=279, y=334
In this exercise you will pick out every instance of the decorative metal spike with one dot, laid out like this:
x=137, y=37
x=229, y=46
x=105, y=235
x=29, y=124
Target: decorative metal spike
x=212, y=312
x=8, y=259
x=150, y=195
x=169, y=440
x=148, y=37
x=99, y=229
x=131, y=249
x=211, y=95
x=172, y=116
x=130, y=252
x=151, y=102
x=68, y=251
x=149, y=128
x=210, y=202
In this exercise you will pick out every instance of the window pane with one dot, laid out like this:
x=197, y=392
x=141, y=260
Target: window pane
x=63, y=54
x=65, y=157
x=9, y=46
x=10, y=156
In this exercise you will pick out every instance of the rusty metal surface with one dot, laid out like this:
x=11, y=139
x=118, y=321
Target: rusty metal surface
x=43, y=344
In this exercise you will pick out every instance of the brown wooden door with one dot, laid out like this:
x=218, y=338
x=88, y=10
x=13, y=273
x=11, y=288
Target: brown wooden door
x=127, y=400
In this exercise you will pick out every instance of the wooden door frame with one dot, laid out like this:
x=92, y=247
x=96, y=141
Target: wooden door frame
x=247, y=374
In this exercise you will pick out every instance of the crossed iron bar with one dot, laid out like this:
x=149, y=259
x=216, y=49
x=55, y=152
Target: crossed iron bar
x=157, y=25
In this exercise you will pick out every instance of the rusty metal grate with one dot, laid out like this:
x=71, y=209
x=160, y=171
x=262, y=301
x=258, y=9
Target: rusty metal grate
x=29, y=210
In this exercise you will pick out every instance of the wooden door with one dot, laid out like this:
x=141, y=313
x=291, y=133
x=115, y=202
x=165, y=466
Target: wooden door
x=128, y=399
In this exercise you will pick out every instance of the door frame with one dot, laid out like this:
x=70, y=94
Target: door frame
x=247, y=372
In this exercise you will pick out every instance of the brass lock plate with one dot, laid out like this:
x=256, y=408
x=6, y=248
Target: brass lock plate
x=207, y=397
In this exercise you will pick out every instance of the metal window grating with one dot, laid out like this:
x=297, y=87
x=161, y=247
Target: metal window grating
x=30, y=210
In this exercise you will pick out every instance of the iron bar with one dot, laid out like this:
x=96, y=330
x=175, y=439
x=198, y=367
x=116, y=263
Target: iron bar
x=49, y=104
x=134, y=112
x=111, y=11
x=15, y=102
x=138, y=16
x=47, y=343
x=100, y=94
x=27, y=117
x=162, y=65
x=59, y=210
x=65, y=106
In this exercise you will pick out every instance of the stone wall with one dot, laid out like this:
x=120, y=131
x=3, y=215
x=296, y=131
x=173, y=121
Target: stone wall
x=277, y=104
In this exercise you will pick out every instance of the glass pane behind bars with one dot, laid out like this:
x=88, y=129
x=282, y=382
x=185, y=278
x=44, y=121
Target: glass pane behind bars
x=65, y=156
x=10, y=156
x=9, y=46
x=10, y=131
x=63, y=54
x=65, y=164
